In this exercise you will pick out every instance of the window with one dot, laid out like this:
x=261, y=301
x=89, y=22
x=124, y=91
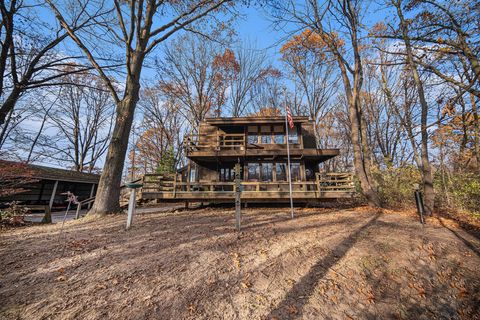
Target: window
x=252, y=134
x=293, y=135
x=267, y=174
x=281, y=171
x=252, y=138
x=193, y=175
x=266, y=132
x=227, y=174
x=279, y=134
x=295, y=171
x=266, y=138
x=279, y=138
x=253, y=172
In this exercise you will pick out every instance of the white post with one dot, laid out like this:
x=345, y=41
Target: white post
x=52, y=197
x=131, y=208
x=288, y=160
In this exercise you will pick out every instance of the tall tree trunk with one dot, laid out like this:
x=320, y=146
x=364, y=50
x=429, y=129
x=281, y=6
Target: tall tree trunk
x=476, y=131
x=3, y=132
x=358, y=159
x=108, y=192
x=9, y=103
x=358, y=147
x=427, y=177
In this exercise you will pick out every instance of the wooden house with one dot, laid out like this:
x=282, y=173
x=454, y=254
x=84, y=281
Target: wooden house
x=259, y=145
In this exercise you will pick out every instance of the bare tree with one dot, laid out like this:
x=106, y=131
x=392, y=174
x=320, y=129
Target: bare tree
x=269, y=91
x=444, y=33
x=327, y=19
x=29, y=57
x=163, y=128
x=313, y=72
x=82, y=119
x=17, y=135
x=190, y=77
x=424, y=165
x=137, y=29
x=250, y=71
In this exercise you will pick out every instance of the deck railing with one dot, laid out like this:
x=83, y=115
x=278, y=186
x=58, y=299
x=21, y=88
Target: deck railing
x=170, y=184
x=199, y=142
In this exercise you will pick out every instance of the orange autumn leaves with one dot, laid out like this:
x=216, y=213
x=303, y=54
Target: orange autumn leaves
x=311, y=41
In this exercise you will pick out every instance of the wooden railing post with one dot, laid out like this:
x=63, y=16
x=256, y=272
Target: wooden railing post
x=175, y=185
x=317, y=180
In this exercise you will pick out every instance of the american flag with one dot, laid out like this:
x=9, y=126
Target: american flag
x=289, y=118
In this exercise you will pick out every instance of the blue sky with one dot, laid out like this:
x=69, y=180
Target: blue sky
x=256, y=28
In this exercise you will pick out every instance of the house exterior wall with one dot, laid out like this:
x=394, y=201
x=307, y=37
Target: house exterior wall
x=264, y=143
x=308, y=134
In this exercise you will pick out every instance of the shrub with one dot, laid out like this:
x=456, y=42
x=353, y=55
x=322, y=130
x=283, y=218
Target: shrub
x=459, y=191
x=396, y=186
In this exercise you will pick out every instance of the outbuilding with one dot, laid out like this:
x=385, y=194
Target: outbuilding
x=48, y=186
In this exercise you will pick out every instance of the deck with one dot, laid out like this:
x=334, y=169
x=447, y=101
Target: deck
x=212, y=147
x=328, y=187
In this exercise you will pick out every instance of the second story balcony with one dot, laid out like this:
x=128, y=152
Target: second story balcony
x=262, y=137
x=241, y=144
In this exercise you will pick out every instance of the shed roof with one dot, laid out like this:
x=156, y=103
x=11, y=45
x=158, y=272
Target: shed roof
x=252, y=120
x=49, y=173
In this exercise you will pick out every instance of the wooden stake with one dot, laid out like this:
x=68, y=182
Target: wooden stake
x=131, y=208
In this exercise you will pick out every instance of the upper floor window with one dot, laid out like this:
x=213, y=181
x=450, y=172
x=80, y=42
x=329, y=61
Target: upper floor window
x=266, y=134
x=278, y=134
x=253, y=134
x=293, y=135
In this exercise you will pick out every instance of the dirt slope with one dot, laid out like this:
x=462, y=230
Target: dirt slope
x=324, y=264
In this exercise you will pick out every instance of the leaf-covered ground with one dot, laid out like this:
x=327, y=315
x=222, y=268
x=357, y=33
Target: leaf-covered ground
x=324, y=264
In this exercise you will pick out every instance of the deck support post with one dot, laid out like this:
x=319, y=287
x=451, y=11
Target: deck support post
x=91, y=196
x=186, y=204
x=238, y=204
x=52, y=197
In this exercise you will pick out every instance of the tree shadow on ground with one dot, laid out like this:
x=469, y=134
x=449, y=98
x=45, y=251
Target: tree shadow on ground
x=306, y=285
x=471, y=229
x=465, y=241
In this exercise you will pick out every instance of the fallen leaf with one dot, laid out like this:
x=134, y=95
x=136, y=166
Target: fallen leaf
x=334, y=299
x=292, y=309
x=246, y=283
x=370, y=297
x=462, y=292
x=61, y=278
x=421, y=292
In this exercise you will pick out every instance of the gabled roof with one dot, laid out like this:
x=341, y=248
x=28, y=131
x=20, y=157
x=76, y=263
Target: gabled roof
x=49, y=173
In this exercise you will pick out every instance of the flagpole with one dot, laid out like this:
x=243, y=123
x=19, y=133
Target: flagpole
x=288, y=160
